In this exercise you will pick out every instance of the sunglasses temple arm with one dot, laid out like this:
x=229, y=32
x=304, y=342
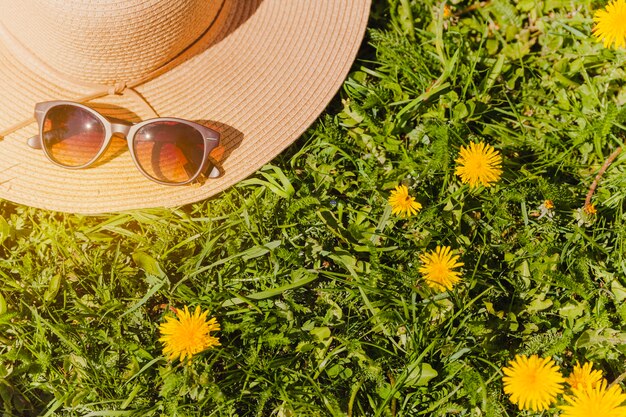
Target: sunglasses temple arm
x=35, y=142
x=215, y=172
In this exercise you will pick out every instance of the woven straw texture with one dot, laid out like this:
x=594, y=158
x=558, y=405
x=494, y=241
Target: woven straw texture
x=257, y=71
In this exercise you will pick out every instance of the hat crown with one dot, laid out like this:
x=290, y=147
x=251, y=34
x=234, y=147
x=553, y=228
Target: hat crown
x=107, y=41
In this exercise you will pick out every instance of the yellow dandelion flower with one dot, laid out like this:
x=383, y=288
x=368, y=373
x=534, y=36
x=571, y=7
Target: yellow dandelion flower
x=188, y=334
x=545, y=210
x=583, y=376
x=447, y=11
x=590, y=209
x=597, y=402
x=402, y=203
x=479, y=164
x=610, y=28
x=437, y=268
x=532, y=383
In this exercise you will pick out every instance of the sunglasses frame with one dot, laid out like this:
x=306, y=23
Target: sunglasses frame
x=129, y=130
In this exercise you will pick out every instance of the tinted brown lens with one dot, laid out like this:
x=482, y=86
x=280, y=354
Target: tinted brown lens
x=171, y=152
x=72, y=136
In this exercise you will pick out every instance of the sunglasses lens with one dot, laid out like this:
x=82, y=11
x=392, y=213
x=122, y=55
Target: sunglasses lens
x=168, y=151
x=72, y=136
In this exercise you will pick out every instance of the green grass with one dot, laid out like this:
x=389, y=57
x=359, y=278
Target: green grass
x=315, y=284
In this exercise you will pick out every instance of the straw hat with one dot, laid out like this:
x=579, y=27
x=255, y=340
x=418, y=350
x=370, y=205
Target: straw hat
x=257, y=71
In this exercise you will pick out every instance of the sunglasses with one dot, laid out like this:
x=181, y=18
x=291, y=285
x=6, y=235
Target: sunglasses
x=167, y=150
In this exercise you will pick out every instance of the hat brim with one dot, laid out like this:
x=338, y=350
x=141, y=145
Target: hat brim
x=271, y=68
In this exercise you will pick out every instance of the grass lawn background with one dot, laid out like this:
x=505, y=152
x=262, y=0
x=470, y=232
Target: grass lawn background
x=313, y=281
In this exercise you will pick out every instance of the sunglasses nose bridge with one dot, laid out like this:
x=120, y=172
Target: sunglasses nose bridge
x=121, y=128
